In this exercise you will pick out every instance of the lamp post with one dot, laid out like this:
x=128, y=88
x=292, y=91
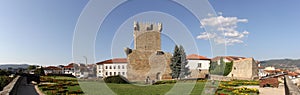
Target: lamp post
x=85, y=59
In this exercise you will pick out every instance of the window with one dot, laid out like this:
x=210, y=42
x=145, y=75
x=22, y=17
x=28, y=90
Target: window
x=105, y=67
x=199, y=65
x=123, y=67
x=123, y=73
x=106, y=73
x=234, y=68
x=110, y=73
x=115, y=73
x=118, y=66
x=109, y=67
x=114, y=67
x=99, y=71
x=119, y=73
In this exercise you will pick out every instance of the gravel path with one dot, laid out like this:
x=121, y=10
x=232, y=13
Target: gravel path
x=269, y=90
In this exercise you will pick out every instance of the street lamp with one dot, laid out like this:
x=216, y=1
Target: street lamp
x=85, y=59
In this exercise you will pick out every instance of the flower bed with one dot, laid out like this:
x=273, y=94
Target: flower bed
x=228, y=88
x=60, y=86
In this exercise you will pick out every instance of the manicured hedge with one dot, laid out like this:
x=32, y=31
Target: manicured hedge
x=116, y=79
x=63, y=75
x=164, y=82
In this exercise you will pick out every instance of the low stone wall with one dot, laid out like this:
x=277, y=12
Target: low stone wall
x=271, y=81
x=226, y=78
x=219, y=77
x=290, y=88
x=9, y=88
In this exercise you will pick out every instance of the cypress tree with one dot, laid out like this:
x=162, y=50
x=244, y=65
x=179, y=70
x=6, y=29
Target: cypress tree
x=178, y=63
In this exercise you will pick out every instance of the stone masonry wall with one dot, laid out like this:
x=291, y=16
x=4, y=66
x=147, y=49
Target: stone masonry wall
x=244, y=69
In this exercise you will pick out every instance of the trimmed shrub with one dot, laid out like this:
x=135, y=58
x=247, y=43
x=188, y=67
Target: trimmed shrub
x=63, y=75
x=164, y=82
x=116, y=79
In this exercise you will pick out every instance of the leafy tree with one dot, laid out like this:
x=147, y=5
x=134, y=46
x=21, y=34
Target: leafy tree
x=4, y=73
x=31, y=67
x=224, y=68
x=4, y=80
x=228, y=68
x=178, y=63
x=40, y=71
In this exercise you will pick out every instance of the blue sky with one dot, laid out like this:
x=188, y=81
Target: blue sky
x=41, y=32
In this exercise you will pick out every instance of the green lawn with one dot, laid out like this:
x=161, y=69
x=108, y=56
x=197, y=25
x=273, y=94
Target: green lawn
x=129, y=89
x=98, y=87
x=198, y=88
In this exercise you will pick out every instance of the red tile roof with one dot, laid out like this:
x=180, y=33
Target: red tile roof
x=278, y=70
x=52, y=68
x=292, y=74
x=270, y=71
x=229, y=58
x=69, y=66
x=261, y=67
x=297, y=71
x=196, y=57
x=115, y=60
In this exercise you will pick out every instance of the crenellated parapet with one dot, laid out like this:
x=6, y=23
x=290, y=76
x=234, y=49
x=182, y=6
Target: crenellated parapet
x=147, y=27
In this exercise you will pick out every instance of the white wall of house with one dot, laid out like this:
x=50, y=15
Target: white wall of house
x=224, y=59
x=198, y=68
x=198, y=64
x=69, y=71
x=104, y=70
x=270, y=68
x=262, y=73
x=99, y=70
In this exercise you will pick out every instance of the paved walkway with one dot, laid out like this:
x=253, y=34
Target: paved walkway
x=26, y=89
x=269, y=90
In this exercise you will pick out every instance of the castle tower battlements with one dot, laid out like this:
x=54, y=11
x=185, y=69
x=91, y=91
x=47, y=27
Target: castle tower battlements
x=147, y=36
x=147, y=27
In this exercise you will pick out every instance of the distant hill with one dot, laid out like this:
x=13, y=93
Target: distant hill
x=282, y=63
x=13, y=66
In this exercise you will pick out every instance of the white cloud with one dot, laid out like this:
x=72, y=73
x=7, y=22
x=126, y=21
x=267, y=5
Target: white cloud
x=206, y=36
x=220, y=27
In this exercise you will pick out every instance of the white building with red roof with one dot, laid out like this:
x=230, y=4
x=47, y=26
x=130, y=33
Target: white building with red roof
x=111, y=67
x=52, y=70
x=69, y=69
x=198, y=65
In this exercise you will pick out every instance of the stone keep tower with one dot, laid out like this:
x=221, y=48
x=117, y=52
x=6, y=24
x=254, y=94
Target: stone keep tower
x=147, y=36
x=147, y=60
